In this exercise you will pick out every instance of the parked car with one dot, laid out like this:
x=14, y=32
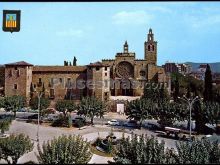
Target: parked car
x=34, y=116
x=81, y=118
x=114, y=122
x=152, y=126
x=131, y=123
x=22, y=110
x=79, y=121
x=51, y=117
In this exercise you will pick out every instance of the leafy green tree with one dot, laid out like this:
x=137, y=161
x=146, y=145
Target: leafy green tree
x=197, y=152
x=208, y=95
x=176, y=90
x=140, y=110
x=213, y=112
x=65, y=106
x=44, y=103
x=65, y=150
x=2, y=102
x=146, y=150
x=5, y=124
x=14, y=103
x=155, y=92
x=200, y=115
x=14, y=147
x=168, y=113
x=91, y=107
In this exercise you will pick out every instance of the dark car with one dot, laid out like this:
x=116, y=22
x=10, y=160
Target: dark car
x=79, y=121
x=81, y=118
x=131, y=123
x=34, y=116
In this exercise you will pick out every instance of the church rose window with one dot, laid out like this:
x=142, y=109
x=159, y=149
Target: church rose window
x=125, y=70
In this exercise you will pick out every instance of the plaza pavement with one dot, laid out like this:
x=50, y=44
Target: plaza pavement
x=90, y=133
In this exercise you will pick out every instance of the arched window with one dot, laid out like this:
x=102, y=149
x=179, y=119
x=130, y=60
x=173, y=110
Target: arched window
x=148, y=47
x=153, y=48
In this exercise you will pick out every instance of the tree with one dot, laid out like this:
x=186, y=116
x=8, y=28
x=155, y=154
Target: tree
x=44, y=103
x=145, y=150
x=14, y=103
x=74, y=61
x=65, y=63
x=5, y=124
x=31, y=91
x=213, y=112
x=200, y=115
x=155, y=92
x=14, y=147
x=208, y=95
x=197, y=152
x=65, y=106
x=176, y=90
x=140, y=110
x=2, y=102
x=168, y=113
x=91, y=107
x=70, y=149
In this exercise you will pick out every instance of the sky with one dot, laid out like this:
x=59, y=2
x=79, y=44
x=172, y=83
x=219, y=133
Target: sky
x=52, y=32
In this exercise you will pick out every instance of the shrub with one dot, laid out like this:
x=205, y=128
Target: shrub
x=62, y=121
x=70, y=149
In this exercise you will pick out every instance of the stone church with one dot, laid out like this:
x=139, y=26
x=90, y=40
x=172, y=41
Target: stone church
x=123, y=76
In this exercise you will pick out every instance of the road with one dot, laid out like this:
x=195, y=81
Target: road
x=47, y=133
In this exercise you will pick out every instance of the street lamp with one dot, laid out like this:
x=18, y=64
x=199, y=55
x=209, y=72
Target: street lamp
x=40, y=94
x=38, y=118
x=190, y=104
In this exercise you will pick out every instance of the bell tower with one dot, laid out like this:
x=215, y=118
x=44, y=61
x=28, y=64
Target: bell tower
x=150, y=49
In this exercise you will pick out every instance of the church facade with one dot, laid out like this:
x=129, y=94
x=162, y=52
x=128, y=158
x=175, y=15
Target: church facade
x=123, y=76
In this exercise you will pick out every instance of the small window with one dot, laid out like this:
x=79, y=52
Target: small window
x=15, y=86
x=61, y=80
x=52, y=95
x=106, y=68
x=106, y=74
x=16, y=68
x=18, y=73
x=97, y=68
x=148, y=47
x=106, y=93
x=34, y=85
x=39, y=80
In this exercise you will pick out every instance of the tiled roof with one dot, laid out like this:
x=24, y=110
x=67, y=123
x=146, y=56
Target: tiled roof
x=20, y=63
x=98, y=63
x=59, y=68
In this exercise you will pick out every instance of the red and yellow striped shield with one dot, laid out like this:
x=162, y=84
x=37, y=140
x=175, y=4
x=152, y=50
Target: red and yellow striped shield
x=10, y=21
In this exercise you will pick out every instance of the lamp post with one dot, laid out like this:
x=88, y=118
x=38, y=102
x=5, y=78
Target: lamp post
x=38, y=119
x=190, y=104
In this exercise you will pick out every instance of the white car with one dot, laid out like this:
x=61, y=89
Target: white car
x=114, y=122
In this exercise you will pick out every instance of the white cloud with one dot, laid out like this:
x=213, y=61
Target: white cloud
x=70, y=32
x=203, y=21
x=132, y=17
